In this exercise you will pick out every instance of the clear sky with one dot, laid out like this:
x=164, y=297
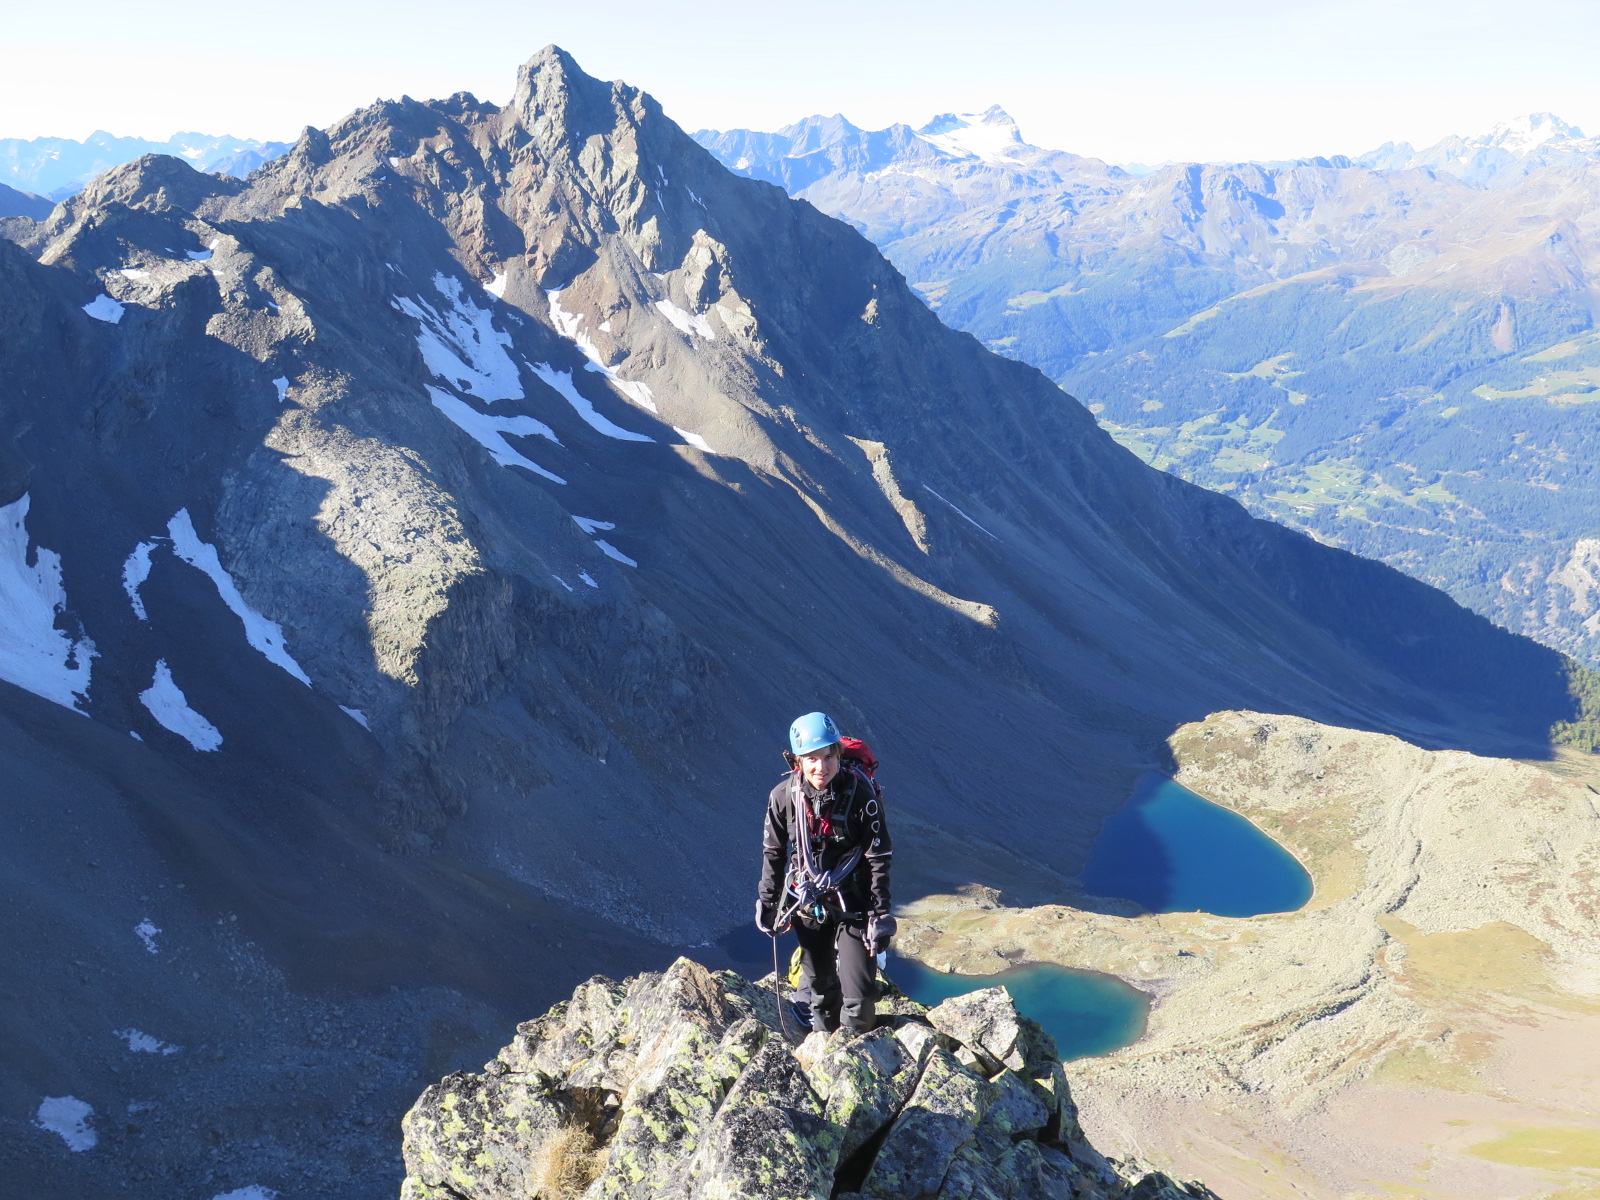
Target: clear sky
x=1136, y=81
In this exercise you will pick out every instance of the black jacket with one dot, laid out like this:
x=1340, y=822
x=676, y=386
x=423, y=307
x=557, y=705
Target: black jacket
x=855, y=818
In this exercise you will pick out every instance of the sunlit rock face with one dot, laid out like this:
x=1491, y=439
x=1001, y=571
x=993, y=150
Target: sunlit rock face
x=684, y=1085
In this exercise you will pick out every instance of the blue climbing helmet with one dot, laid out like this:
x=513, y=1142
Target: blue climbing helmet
x=812, y=732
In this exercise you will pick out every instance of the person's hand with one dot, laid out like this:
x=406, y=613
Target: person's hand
x=766, y=916
x=880, y=930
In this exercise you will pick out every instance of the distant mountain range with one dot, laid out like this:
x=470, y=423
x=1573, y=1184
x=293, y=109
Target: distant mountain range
x=1396, y=352
x=57, y=167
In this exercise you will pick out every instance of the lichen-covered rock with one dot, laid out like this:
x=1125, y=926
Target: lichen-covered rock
x=682, y=1086
x=987, y=1024
x=938, y=1121
x=863, y=1080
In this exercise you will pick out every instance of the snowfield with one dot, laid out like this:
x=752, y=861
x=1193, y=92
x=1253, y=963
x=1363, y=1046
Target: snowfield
x=69, y=1117
x=34, y=654
x=489, y=432
x=460, y=344
x=170, y=707
x=561, y=383
x=266, y=636
x=104, y=308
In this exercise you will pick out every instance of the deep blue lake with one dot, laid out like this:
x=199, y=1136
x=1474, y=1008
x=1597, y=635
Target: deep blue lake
x=1087, y=1013
x=1171, y=851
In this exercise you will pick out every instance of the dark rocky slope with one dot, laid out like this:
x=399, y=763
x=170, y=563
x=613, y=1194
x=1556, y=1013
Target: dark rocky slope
x=457, y=510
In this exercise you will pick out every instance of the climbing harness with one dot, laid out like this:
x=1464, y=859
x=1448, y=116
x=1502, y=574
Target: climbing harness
x=806, y=881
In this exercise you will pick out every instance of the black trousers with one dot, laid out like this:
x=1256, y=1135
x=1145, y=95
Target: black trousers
x=839, y=975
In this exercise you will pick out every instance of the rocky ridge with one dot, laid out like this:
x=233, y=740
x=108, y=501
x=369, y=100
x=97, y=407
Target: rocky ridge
x=682, y=1084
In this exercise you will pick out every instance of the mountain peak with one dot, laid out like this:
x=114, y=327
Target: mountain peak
x=1522, y=134
x=990, y=135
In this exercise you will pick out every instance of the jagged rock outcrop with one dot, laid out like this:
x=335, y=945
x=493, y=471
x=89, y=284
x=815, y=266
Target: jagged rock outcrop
x=682, y=1084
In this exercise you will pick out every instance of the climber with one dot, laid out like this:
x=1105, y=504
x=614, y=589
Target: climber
x=825, y=870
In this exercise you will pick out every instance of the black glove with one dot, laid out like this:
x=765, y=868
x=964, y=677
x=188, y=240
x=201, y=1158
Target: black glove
x=766, y=916
x=879, y=931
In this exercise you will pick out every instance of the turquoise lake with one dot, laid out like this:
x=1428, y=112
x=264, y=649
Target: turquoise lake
x=1171, y=851
x=1085, y=1012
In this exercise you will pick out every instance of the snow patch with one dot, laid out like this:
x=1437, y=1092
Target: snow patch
x=460, y=344
x=146, y=929
x=570, y=326
x=254, y=1192
x=694, y=439
x=695, y=198
x=687, y=322
x=991, y=136
x=143, y=1043
x=132, y=273
x=69, y=1117
x=496, y=287
x=282, y=384
x=611, y=551
x=34, y=654
x=590, y=525
x=170, y=707
x=584, y=575
x=561, y=383
x=134, y=572
x=356, y=715
x=104, y=308
x=488, y=432
x=561, y=581
x=198, y=255
x=266, y=636
x=639, y=393
x=958, y=512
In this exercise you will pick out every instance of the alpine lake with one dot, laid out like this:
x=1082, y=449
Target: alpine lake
x=1166, y=850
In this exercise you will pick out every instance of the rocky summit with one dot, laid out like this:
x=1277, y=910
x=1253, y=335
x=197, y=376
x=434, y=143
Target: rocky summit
x=683, y=1084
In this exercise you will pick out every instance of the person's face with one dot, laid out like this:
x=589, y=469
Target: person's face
x=820, y=768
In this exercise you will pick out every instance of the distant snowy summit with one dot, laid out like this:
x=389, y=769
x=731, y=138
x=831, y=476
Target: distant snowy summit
x=58, y=167
x=990, y=135
x=965, y=147
x=1507, y=152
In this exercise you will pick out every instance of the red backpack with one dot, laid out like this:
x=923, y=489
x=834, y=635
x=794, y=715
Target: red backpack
x=857, y=756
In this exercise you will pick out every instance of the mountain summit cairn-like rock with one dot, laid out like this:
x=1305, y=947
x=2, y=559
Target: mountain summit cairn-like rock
x=682, y=1085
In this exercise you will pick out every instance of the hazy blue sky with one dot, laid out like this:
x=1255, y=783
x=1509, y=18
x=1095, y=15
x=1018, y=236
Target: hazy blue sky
x=1142, y=80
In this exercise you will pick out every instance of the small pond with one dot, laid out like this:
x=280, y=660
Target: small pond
x=1171, y=851
x=1087, y=1013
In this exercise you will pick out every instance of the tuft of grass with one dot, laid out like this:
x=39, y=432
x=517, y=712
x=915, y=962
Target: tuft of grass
x=566, y=1163
x=1550, y=1147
